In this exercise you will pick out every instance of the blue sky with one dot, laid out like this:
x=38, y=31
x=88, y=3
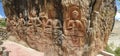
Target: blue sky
x=118, y=8
x=117, y=14
x=118, y=4
x=2, y=15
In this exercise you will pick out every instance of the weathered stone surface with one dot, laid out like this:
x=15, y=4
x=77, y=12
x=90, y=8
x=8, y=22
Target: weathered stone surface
x=16, y=49
x=62, y=27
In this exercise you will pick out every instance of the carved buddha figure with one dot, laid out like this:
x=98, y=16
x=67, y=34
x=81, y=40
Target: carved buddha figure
x=14, y=24
x=43, y=17
x=53, y=32
x=32, y=28
x=38, y=26
x=21, y=20
x=20, y=27
x=32, y=17
x=52, y=23
x=75, y=28
x=8, y=20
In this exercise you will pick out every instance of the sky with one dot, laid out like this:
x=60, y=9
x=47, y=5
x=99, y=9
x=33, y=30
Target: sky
x=118, y=8
x=2, y=15
x=118, y=4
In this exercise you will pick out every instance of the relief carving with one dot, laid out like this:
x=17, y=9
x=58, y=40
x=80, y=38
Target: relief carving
x=74, y=29
x=58, y=27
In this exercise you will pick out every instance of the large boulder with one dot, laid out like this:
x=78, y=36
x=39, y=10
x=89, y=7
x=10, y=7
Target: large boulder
x=84, y=25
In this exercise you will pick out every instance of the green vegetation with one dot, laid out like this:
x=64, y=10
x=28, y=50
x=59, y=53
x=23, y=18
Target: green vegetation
x=108, y=49
x=2, y=23
x=116, y=52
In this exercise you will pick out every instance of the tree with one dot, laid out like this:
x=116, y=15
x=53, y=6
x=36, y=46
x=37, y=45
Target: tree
x=94, y=23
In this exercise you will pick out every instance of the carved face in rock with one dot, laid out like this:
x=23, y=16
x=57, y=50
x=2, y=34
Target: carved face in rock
x=75, y=14
x=52, y=14
x=43, y=16
x=14, y=17
x=33, y=12
x=20, y=15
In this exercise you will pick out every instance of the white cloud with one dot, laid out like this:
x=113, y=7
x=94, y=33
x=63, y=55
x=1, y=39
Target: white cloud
x=117, y=16
x=1, y=16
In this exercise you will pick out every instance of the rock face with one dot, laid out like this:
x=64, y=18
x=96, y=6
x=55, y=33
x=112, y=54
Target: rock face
x=19, y=49
x=61, y=27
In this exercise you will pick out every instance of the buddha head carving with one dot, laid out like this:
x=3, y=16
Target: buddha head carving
x=43, y=16
x=14, y=17
x=74, y=12
x=33, y=12
x=52, y=14
x=20, y=15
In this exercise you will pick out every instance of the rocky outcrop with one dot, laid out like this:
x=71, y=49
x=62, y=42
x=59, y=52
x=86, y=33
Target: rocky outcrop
x=61, y=27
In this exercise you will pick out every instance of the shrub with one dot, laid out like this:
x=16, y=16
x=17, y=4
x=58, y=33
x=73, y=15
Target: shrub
x=3, y=23
x=116, y=52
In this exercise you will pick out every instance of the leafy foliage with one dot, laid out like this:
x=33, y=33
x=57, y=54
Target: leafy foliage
x=108, y=49
x=2, y=23
x=116, y=52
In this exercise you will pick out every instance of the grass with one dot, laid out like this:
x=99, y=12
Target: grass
x=2, y=23
x=116, y=52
